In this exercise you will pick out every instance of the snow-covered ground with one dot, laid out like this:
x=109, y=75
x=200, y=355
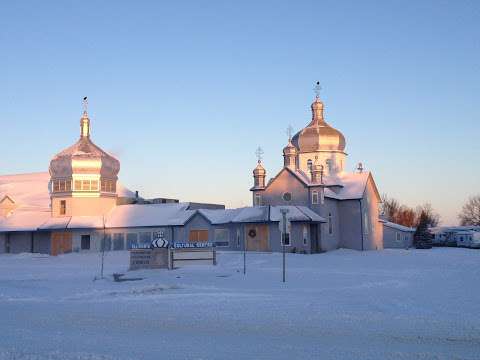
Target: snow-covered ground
x=392, y=304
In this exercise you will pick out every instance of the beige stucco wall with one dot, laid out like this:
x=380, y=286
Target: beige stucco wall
x=83, y=206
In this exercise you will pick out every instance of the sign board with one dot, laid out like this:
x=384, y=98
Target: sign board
x=192, y=245
x=159, y=243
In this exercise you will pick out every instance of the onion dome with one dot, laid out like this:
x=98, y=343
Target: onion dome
x=259, y=169
x=318, y=135
x=84, y=157
x=290, y=149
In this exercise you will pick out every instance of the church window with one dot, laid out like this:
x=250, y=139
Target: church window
x=238, y=237
x=63, y=207
x=222, y=238
x=305, y=235
x=330, y=224
x=258, y=199
x=329, y=164
x=365, y=222
x=94, y=185
x=78, y=184
x=322, y=196
x=314, y=197
x=309, y=164
x=287, y=196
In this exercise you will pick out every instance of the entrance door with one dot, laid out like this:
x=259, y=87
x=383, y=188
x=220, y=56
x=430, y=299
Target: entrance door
x=61, y=243
x=257, y=237
x=314, y=240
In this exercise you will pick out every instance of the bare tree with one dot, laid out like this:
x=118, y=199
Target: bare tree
x=406, y=216
x=389, y=208
x=470, y=214
x=432, y=218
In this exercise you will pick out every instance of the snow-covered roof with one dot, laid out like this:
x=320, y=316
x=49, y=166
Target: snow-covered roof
x=343, y=186
x=140, y=215
x=398, y=226
x=26, y=220
x=260, y=214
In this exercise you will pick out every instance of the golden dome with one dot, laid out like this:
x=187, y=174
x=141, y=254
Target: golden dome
x=318, y=135
x=290, y=149
x=259, y=170
x=84, y=157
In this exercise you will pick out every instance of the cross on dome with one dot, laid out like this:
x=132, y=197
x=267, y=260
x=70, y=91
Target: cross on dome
x=259, y=153
x=317, y=89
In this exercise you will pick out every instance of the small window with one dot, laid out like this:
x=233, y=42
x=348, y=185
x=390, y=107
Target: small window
x=132, y=241
x=258, y=199
x=145, y=239
x=85, y=185
x=305, y=235
x=63, y=207
x=314, y=197
x=398, y=236
x=94, y=185
x=287, y=196
x=330, y=224
x=78, y=185
x=198, y=235
x=106, y=242
x=222, y=238
x=85, y=242
x=118, y=242
x=309, y=164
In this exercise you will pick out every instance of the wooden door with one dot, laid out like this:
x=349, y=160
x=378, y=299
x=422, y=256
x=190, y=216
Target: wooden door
x=314, y=241
x=61, y=243
x=257, y=237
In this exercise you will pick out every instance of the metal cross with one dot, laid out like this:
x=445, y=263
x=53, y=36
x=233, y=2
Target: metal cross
x=259, y=153
x=85, y=104
x=317, y=89
x=289, y=132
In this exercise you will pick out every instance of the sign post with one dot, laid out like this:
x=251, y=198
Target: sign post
x=284, y=236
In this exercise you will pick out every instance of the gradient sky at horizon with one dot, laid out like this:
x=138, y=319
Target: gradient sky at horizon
x=183, y=92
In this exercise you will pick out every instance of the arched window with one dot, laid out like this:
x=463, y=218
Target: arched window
x=309, y=164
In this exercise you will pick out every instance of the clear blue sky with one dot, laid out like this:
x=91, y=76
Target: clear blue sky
x=183, y=92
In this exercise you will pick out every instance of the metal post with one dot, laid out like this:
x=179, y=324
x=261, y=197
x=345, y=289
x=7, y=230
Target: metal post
x=283, y=237
x=244, y=253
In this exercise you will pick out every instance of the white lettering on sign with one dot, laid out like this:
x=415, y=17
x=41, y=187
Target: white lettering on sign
x=192, y=245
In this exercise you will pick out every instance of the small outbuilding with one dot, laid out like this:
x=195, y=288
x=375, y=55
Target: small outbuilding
x=396, y=236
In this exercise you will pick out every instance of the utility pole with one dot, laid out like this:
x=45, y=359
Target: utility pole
x=284, y=236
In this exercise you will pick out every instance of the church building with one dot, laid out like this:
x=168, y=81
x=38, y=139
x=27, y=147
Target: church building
x=314, y=175
x=80, y=205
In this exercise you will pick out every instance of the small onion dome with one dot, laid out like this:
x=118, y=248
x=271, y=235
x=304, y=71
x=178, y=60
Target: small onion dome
x=84, y=157
x=259, y=170
x=290, y=149
x=318, y=135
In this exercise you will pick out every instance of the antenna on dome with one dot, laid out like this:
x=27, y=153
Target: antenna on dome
x=85, y=104
x=317, y=89
x=259, y=153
